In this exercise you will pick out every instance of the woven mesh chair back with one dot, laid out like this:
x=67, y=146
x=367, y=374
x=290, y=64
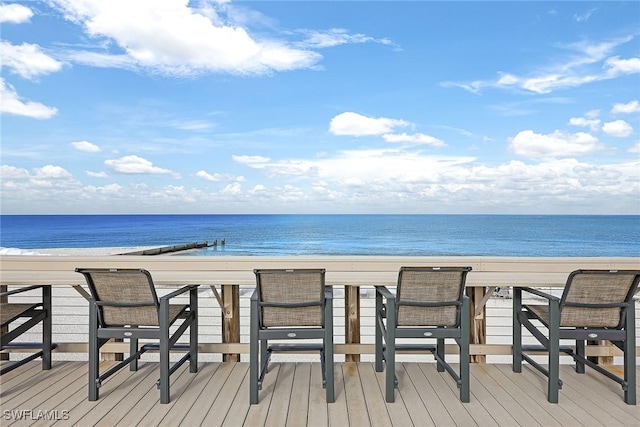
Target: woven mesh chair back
x=597, y=288
x=303, y=289
x=126, y=287
x=428, y=285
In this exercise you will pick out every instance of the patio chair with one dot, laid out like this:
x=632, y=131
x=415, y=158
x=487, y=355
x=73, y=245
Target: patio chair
x=26, y=316
x=290, y=305
x=595, y=305
x=429, y=303
x=125, y=305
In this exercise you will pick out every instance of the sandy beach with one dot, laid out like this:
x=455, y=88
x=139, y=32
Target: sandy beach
x=73, y=251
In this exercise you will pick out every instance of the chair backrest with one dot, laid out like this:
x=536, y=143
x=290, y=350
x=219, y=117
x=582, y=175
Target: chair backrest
x=124, y=296
x=597, y=298
x=291, y=297
x=430, y=296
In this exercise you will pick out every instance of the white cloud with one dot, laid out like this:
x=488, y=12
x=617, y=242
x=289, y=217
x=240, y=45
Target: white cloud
x=628, y=108
x=14, y=13
x=169, y=37
x=635, y=148
x=218, y=177
x=416, y=138
x=354, y=124
x=85, y=146
x=592, y=124
x=12, y=172
x=27, y=60
x=12, y=104
x=557, y=144
x=336, y=37
x=97, y=174
x=617, y=128
x=588, y=62
x=250, y=159
x=616, y=66
x=52, y=172
x=584, y=17
x=135, y=165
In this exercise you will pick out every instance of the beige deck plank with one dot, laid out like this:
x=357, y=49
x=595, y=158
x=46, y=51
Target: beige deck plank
x=536, y=396
x=213, y=387
x=220, y=391
x=413, y=403
x=258, y=413
x=223, y=402
x=607, y=405
x=318, y=415
x=398, y=412
x=45, y=399
x=525, y=411
x=25, y=369
x=474, y=408
x=356, y=404
x=152, y=411
x=279, y=408
x=240, y=406
x=134, y=384
x=337, y=411
x=191, y=395
x=573, y=407
x=299, y=402
x=440, y=381
x=373, y=396
x=499, y=413
x=20, y=392
x=495, y=386
x=428, y=395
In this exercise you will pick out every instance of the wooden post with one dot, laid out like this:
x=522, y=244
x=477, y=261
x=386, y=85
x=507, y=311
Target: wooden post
x=478, y=322
x=352, y=319
x=230, y=319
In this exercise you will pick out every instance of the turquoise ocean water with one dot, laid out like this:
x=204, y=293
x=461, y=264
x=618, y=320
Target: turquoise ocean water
x=423, y=235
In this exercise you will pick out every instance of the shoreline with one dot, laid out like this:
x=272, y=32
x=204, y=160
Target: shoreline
x=100, y=251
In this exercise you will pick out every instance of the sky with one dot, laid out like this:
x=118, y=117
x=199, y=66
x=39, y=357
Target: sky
x=177, y=106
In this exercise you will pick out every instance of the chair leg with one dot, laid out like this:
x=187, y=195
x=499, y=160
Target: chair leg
x=390, y=356
x=253, y=354
x=165, y=395
x=465, y=331
x=440, y=353
x=630, y=356
x=554, y=351
x=133, y=349
x=580, y=351
x=328, y=356
x=94, y=352
x=193, y=332
x=378, y=329
x=46, y=328
x=517, y=330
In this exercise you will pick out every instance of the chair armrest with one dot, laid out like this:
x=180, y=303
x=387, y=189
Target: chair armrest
x=386, y=293
x=17, y=291
x=540, y=293
x=179, y=292
x=328, y=292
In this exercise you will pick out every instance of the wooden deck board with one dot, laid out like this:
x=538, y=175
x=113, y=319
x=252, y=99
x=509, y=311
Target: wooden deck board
x=293, y=395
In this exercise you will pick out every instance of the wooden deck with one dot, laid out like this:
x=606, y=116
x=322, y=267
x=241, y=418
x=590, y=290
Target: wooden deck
x=292, y=396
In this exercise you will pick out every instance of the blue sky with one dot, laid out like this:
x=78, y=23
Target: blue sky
x=176, y=106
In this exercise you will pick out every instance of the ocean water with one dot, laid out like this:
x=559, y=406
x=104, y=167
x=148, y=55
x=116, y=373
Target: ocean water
x=406, y=235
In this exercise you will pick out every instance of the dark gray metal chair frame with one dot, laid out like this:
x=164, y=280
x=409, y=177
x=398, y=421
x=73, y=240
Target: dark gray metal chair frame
x=568, y=318
x=281, y=328
x=34, y=313
x=459, y=329
x=160, y=316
